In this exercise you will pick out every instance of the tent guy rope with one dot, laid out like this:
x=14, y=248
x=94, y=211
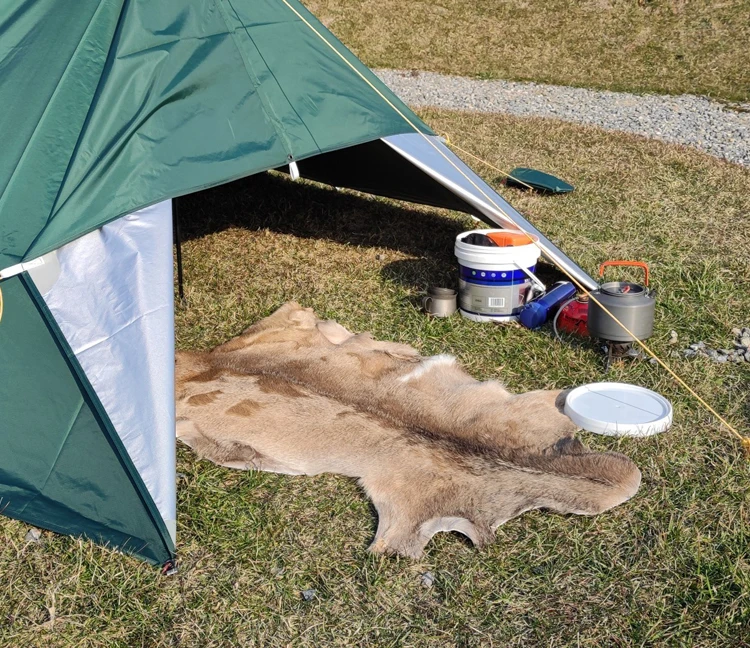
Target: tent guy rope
x=455, y=146
x=744, y=440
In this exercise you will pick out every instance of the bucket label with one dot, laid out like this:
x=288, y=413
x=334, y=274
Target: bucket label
x=495, y=300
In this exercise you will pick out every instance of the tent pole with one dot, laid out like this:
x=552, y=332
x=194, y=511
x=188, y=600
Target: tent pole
x=178, y=248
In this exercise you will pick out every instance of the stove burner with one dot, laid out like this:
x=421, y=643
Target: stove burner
x=619, y=351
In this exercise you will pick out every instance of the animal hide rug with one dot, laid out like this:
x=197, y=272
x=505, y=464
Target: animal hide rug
x=435, y=449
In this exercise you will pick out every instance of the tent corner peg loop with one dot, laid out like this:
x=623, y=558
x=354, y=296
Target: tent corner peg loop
x=169, y=568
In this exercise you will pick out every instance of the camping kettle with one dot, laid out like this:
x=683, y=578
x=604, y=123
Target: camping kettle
x=632, y=304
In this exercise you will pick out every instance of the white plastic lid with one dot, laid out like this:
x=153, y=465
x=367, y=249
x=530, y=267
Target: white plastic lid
x=618, y=409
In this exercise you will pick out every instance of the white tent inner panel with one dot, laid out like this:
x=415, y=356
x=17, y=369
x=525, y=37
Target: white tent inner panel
x=114, y=303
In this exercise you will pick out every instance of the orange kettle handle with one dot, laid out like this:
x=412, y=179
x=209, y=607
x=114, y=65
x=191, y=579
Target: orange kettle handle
x=637, y=264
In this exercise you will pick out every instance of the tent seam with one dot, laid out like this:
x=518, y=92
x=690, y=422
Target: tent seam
x=254, y=80
x=271, y=72
x=80, y=134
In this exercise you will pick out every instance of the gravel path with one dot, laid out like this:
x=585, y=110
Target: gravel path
x=686, y=119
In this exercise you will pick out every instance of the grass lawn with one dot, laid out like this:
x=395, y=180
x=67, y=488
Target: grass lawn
x=664, y=46
x=669, y=567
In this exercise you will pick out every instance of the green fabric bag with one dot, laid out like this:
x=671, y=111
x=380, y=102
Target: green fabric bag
x=523, y=178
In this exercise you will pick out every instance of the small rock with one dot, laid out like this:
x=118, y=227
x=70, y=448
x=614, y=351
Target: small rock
x=427, y=579
x=309, y=594
x=277, y=571
x=747, y=355
x=180, y=475
x=721, y=358
x=672, y=337
x=745, y=341
x=725, y=352
x=33, y=535
x=736, y=332
x=690, y=353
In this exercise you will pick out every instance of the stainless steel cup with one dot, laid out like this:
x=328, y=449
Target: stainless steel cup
x=440, y=302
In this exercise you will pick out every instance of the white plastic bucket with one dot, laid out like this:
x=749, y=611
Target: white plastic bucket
x=494, y=282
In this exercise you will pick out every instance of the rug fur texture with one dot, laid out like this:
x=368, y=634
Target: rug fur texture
x=435, y=449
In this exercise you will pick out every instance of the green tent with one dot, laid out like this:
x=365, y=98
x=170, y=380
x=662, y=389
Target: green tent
x=111, y=108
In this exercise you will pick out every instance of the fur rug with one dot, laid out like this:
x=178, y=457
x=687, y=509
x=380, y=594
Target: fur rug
x=435, y=449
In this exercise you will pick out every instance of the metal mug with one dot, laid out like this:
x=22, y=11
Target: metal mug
x=440, y=302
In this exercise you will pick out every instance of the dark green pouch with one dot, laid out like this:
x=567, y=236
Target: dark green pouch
x=523, y=178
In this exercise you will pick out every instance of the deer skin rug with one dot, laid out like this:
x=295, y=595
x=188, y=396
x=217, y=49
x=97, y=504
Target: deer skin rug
x=435, y=449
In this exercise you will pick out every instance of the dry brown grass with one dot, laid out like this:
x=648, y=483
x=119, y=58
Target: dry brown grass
x=665, y=46
x=668, y=568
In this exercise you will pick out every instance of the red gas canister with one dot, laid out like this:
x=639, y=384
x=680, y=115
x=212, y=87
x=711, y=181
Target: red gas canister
x=573, y=317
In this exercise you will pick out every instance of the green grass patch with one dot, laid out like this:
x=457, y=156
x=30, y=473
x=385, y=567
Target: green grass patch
x=669, y=567
x=664, y=46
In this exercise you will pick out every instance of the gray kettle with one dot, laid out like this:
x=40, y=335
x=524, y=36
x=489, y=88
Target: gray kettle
x=634, y=305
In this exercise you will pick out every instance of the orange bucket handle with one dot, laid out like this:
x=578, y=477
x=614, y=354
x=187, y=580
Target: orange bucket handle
x=637, y=264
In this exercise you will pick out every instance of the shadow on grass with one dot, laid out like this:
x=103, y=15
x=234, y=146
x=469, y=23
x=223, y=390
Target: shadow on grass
x=270, y=201
x=422, y=272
